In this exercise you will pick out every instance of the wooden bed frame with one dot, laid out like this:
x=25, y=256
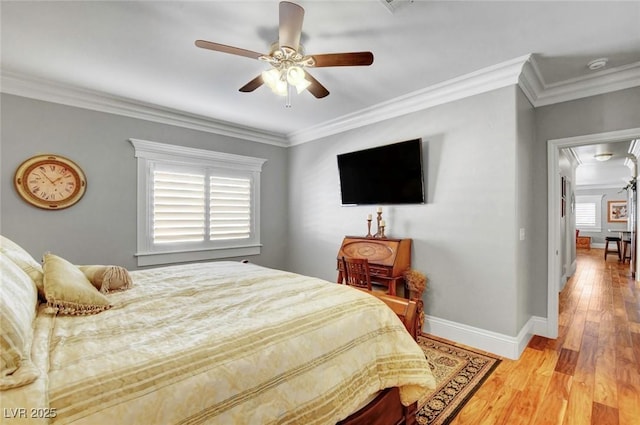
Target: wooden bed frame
x=386, y=408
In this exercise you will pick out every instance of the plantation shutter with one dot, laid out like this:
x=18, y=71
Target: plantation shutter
x=586, y=214
x=229, y=208
x=178, y=207
x=195, y=204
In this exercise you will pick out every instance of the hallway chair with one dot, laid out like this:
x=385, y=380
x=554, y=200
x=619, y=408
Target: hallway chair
x=607, y=251
x=626, y=250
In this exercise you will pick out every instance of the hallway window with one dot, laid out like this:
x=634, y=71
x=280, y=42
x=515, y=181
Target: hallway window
x=589, y=213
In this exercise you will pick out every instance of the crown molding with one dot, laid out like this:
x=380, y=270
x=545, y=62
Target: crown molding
x=540, y=93
x=46, y=90
x=600, y=186
x=487, y=79
x=574, y=158
x=522, y=71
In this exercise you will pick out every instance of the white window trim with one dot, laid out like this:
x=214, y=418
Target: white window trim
x=597, y=199
x=147, y=153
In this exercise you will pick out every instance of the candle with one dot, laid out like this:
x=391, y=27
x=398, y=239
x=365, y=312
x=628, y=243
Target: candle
x=369, y=217
x=382, y=223
x=379, y=209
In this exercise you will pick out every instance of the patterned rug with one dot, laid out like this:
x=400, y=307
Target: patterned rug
x=459, y=373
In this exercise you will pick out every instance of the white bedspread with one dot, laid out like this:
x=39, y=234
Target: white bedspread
x=221, y=343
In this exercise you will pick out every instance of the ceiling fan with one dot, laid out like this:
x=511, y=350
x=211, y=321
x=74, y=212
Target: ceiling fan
x=287, y=58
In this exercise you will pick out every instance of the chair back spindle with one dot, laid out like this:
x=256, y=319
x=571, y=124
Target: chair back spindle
x=356, y=271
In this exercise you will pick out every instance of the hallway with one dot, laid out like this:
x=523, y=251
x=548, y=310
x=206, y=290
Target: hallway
x=590, y=375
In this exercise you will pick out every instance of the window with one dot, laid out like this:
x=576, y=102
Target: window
x=589, y=213
x=195, y=204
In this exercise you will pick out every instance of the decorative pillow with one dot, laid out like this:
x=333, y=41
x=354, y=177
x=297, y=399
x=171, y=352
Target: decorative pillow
x=18, y=301
x=68, y=290
x=107, y=278
x=18, y=255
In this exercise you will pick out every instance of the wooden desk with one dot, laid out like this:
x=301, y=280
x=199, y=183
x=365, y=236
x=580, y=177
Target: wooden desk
x=388, y=258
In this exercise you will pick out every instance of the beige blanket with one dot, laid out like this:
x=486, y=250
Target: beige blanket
x=221, y=343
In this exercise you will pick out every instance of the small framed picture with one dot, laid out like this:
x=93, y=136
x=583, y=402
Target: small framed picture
x=617, y=211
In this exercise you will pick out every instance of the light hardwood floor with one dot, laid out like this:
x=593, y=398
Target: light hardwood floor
x=590, y=375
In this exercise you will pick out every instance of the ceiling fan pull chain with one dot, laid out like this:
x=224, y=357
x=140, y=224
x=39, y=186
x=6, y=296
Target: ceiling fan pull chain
x=288, y=102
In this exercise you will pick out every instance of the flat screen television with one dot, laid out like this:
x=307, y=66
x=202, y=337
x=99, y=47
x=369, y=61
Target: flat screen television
x=390, y=174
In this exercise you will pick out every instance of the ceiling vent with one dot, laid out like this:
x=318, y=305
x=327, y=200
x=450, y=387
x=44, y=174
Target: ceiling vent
x=597, y=64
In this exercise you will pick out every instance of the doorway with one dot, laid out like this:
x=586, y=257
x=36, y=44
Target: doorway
x=553, y=213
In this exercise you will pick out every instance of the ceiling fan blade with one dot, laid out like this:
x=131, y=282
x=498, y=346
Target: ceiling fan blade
x=316, y=89
x=252, y=85
x=291, y=17
x=227, y=49
x=343, y=59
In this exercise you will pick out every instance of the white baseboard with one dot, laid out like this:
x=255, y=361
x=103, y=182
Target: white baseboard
x=574, y=267
x=503, y=345
x=563, y=281
x=565, y=278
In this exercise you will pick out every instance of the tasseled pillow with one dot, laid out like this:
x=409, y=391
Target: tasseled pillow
x=67, y=289
x=107, y=278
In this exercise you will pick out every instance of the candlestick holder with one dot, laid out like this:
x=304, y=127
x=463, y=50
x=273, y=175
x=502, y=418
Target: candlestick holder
x=382, y=236
x=378, y=220
x=369, y=235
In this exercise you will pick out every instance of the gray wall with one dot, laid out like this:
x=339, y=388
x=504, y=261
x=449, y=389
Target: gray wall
x=101, y=228
x=612, y=194
x=525, y=121
x=597, y=114
x=465, y=238
x=486, y=178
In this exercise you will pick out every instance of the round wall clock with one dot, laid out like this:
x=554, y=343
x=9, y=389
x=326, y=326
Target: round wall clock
x=51, y=182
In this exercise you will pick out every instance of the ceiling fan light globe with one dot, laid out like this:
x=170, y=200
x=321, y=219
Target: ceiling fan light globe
x=302, y=86
x=280, y=88
x=295, y=75
x=271, y=77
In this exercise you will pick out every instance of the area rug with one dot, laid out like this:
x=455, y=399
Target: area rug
x=459, y=373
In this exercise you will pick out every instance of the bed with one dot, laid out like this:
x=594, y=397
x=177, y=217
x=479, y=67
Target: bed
x=218, y=343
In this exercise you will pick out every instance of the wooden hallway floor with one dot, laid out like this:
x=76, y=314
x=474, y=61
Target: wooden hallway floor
x=590, y=375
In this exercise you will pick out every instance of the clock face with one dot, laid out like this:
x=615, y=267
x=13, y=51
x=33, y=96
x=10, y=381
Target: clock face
x=50, y=182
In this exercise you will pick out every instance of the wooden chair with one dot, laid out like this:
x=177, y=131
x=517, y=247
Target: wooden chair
x=356, y=272
x=626, y=250
x=607, y=250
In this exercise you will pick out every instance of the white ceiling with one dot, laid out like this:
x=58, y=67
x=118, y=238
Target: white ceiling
x=144, y=50
x=612, y=173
